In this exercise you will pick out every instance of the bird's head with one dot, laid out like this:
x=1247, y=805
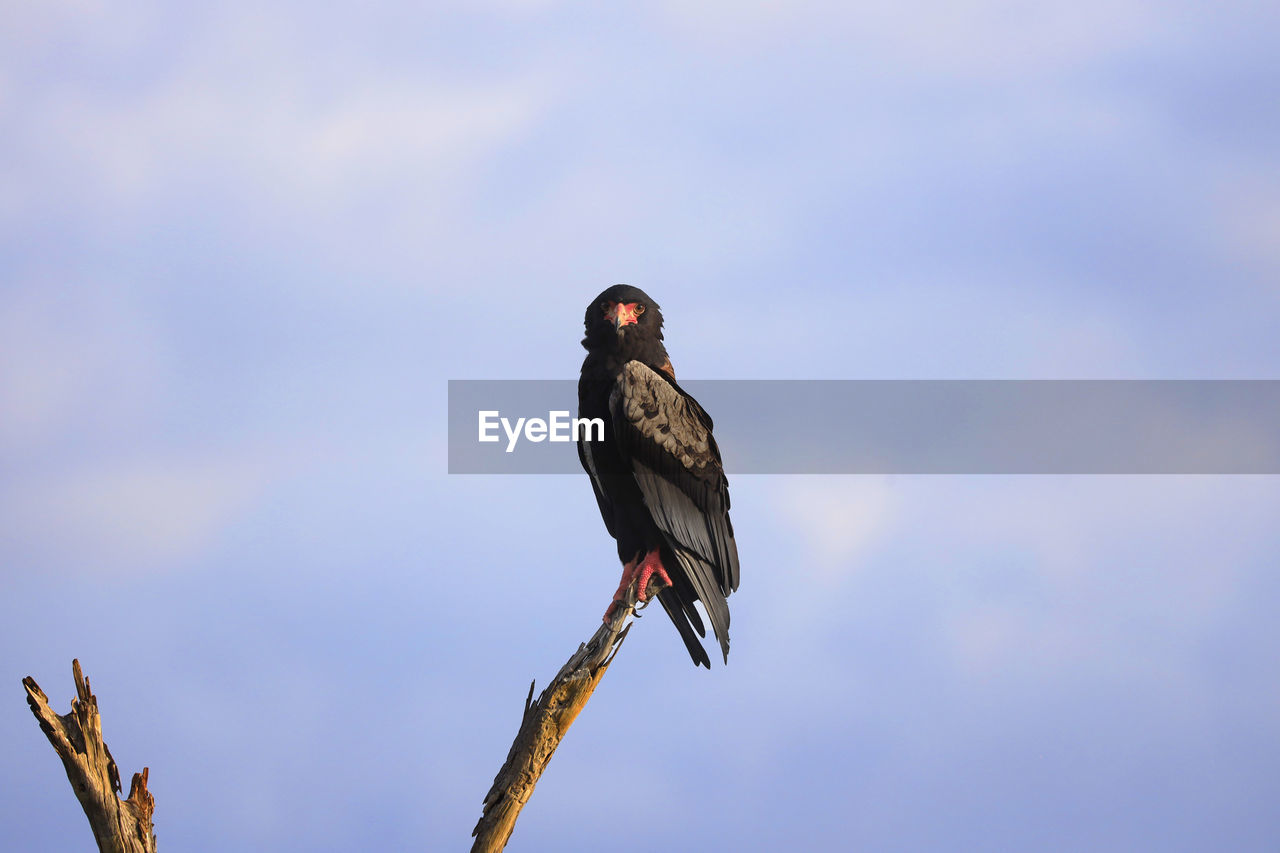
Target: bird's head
x=623, y=317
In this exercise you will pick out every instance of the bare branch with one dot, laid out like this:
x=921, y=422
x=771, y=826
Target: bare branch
x=118, y=826
x=546, y=722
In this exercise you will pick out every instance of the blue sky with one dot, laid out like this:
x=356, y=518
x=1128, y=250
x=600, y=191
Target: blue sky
x=244, y=247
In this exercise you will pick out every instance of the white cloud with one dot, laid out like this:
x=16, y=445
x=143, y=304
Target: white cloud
x=72, y=358
x=1023, y=577
x=1248, y=224
x=978, y=37
x=247, y=105
x=271, y=138
x=840, y=518
x=129, y=516
x=1066, y=573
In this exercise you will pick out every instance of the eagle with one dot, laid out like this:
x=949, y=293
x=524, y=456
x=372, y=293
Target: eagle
x=657, y=474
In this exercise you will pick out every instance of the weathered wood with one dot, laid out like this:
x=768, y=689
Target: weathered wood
x=118, y=826
x=545, y=723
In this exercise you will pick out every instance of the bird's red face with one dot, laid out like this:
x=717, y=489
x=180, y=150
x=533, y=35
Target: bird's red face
x=622, y=313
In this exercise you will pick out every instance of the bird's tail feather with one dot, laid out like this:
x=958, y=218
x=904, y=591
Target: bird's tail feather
x=671, y=603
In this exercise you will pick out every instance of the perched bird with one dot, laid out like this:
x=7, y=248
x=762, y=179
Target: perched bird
x=657, y=474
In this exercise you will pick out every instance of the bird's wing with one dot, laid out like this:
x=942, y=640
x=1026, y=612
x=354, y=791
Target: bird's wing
x=666, y=437
x=602, y=500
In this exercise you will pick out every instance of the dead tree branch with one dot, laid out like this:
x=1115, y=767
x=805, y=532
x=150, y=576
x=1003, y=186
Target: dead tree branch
x=545, y=723
x=118, y=826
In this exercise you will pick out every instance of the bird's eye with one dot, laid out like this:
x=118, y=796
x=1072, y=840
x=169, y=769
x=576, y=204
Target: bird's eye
x=639, y=310
x=604, y=306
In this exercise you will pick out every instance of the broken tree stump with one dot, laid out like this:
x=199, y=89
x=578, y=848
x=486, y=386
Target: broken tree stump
x=119, y=826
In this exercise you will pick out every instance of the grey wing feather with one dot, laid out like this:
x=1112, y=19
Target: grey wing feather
x=676, y=463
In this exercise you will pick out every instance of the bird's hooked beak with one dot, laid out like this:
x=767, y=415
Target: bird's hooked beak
x=622, y=314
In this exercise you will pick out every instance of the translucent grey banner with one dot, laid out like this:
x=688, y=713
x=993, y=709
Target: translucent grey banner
x=906, y=426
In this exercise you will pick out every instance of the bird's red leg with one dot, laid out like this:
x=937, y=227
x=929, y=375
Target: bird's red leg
x=643, y=569
x=628, y=575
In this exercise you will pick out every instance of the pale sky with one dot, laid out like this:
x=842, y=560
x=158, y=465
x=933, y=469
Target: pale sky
x=243, y=248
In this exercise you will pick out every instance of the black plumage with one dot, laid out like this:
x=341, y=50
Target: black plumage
x=657, y=474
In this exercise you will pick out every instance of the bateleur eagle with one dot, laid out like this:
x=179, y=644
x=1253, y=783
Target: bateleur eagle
x=657, y=474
